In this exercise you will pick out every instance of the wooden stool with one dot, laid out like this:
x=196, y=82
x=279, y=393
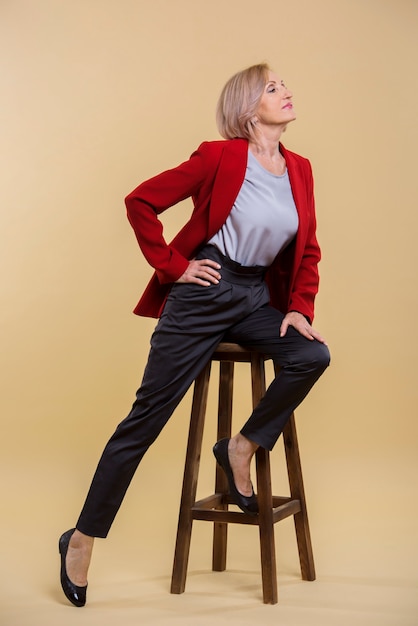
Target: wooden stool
x=214, y=508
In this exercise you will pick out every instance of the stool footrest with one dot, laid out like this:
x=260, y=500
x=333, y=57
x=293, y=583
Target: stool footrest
x=206, y=510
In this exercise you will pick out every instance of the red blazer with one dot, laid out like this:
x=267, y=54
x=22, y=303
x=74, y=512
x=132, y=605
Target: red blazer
x=213, y=177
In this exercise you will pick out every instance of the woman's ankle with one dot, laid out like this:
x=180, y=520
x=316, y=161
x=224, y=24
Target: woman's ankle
x=242, y=446
x=80, y=540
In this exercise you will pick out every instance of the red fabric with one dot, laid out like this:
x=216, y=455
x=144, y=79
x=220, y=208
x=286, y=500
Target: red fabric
x=213, y=177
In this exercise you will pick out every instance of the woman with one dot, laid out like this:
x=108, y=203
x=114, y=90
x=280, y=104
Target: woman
x=243, y=269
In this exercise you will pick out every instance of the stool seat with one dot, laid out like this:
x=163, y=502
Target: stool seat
x=215, y=507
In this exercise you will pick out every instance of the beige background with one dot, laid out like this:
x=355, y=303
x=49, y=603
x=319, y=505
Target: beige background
x=96, y=96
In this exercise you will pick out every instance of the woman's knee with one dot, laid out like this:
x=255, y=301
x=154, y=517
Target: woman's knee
x=308, y=356
x=320, y=355
x=312, y=356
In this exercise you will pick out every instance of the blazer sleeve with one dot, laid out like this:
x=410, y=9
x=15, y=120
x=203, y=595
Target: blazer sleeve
x=306, y=278
x=150, y=199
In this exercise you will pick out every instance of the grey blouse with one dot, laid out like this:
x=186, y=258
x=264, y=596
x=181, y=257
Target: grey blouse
x=263, y=219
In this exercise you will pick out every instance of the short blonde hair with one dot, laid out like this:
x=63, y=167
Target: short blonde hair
x=239, y=100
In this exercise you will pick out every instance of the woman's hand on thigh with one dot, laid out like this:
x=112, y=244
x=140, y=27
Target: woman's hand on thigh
x=301, y=324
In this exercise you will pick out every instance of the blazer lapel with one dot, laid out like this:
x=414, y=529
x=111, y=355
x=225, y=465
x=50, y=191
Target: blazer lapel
x=297, y=183
x=228, y=182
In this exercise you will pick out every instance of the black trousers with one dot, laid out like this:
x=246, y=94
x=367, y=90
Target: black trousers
x=195, y=319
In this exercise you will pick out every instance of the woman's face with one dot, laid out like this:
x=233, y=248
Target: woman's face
x=275, y=106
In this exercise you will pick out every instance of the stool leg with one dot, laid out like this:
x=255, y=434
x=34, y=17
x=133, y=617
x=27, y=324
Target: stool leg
x=220, y=530
x=266, y=527
x=191, y=471
x=264, y=495
x=297, y=491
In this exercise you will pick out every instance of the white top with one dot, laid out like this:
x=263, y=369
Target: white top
x=263, y=219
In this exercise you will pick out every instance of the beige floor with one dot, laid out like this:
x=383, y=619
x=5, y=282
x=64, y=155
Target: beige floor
x=131, y=588
x=365, y=557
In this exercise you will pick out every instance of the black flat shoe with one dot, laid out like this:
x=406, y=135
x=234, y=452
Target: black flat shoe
x=76, y=595
x=248, y=504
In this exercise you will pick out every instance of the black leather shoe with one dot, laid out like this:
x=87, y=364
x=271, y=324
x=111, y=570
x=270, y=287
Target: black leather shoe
x=76, y=595
x=248, y=504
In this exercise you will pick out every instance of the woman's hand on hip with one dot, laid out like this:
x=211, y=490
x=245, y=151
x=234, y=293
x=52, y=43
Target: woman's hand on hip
x=202, y=272
x=301, y=324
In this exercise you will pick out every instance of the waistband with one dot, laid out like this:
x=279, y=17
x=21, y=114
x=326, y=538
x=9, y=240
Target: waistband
x=232, y=271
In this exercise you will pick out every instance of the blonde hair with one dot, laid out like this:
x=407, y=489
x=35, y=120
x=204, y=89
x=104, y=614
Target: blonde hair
x=239, y=100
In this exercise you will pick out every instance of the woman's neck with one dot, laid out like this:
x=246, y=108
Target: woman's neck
x=266, y=151
x=266, y=142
